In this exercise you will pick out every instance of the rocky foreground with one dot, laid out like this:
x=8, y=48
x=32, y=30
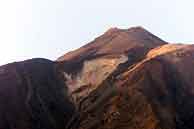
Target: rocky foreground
x=124, y=79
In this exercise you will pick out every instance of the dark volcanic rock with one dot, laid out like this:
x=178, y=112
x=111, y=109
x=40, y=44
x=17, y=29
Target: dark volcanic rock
x=33, y=96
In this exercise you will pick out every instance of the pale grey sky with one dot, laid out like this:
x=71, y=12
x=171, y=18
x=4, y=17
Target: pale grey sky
x=50, y=28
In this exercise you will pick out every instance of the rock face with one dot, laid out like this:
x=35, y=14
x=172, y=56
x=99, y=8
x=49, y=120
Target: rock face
x=131, y=79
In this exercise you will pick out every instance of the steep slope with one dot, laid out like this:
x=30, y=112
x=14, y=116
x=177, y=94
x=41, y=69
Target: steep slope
x=165, y=77
x=155, y=93
x=87, y=67
x=130, y=79
x=33, y=96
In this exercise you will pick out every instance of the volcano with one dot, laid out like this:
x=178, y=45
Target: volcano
x=123, y=79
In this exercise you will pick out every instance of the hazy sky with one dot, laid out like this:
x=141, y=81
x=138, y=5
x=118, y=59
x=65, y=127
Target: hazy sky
x=50, y=28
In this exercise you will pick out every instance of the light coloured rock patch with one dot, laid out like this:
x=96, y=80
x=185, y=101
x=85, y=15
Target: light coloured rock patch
x=92, y=74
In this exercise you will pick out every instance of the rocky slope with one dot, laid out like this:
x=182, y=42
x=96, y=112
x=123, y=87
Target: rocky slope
x=165, y=79
x=124, y=79
x=131, y=79
x=87, y=67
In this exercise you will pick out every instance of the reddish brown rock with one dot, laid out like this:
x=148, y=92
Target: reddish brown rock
x=90, y=65
x=165, y=78
x=130, y=79
x=113, y=43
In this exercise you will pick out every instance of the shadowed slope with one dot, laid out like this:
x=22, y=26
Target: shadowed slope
x=33, y=96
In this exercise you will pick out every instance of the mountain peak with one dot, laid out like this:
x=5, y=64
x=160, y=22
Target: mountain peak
x=113, y=43
x=137, y=28
x=112, y=30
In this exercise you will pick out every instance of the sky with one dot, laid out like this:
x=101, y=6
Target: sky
x=51, y=28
